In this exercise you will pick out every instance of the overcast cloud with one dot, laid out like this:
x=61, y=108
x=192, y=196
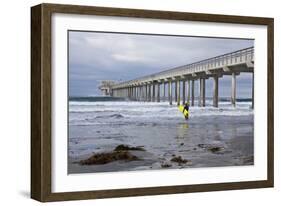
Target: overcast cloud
x=95, y=56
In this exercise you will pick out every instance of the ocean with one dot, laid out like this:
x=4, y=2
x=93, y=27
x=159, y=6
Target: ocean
x=211, y=137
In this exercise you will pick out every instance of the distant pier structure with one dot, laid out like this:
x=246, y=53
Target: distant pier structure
x=106, y=87
x=151, y=87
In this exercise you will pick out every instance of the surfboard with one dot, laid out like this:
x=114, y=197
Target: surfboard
x=185, y=112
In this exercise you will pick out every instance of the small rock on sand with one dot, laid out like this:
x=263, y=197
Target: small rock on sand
x=123, y=147
x=212, y=148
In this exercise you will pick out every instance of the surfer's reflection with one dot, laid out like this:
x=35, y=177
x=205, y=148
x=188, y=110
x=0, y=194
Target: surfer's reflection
x=185, y=126
x=182, y=130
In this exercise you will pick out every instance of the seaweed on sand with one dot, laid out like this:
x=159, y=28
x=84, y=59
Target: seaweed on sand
x=215, y=149
x=166, y=165
x=179, y=160
x=104, y=158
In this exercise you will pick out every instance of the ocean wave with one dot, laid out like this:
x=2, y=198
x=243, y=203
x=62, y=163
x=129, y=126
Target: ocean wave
x=139, y=112
x=115, y=116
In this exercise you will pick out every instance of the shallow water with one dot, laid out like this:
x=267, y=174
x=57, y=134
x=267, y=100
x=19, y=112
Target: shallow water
x=211, y=137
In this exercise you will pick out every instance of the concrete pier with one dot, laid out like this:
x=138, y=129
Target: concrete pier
x=144, y=88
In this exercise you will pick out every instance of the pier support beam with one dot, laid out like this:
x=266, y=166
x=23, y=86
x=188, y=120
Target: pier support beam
x=178, y=92
x=216, y=91
x=145, y=93
x=158, y=91
x=149, y=92
x=192, y=92
x=188, y=91
x=253, y=91
x=233, y=89
x=153, y=91
x=142, y=92
x=199, y=92
x=164, y=90
x=170, y=92
x=183, y=91
x=138, y=93
x=202, y=93
x=135, y=93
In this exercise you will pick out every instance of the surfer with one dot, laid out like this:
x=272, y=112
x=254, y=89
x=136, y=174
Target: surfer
x=186, y=108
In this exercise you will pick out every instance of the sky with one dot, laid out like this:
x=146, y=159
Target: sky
x=97, y=56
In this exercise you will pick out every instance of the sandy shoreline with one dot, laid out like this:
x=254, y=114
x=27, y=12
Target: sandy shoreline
x=202, y=141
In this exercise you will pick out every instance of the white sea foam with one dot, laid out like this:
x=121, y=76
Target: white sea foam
x=87, y=113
